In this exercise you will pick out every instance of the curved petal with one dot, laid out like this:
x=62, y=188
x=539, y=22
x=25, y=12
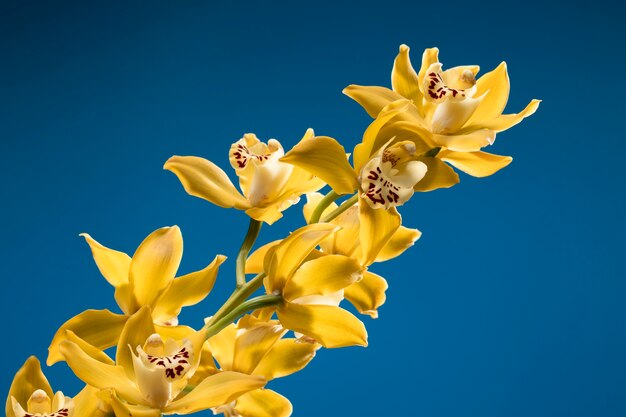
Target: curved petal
x=404, y=78
x=98, y=374
x=494, y=89
x=286, y=357
x=505, y=121
x=204, y=179
x=325, y=158
x=113, y=265
x=155, y=263
x=429, y=57
x=345, y=241
x=175, y=332
x=372, y=99
x=368, y=294
x=123, y=409
x=470, y=142
x=222, y=347
x=322, y=276
x=401, y=240
x=377, y=227
x=27, y=380
x=268, y=214
x=214, y=391
x=87, y=403
x=331, y=326
x=254, y=263
x=185, y=291
x=438, y=175
x=253, y=343
x=287, y=256
x=372, y=139
x=91, y=350
x=99, y=328
x=138, y=329
x=263, y=403
x=476, y=164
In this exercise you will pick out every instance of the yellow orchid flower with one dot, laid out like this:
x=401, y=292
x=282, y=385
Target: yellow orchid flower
x=386, y=175
x=269, y=186
x=30, y=395
x=146, y=279
x=366, y=244
x=257, y=347
x=368, y=294
x=311, y=284
x=454, y=113
x=150, y=374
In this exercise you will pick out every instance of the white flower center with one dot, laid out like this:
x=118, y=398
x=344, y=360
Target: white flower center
x=387, y=180
x=159, y=366
x=261, y=174
x=40, y=405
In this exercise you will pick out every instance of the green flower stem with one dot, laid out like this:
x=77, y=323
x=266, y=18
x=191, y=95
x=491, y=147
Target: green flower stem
x=345, y=206
x=323, y=205
x=238, y=296
x=245, y=307
x=253, y=233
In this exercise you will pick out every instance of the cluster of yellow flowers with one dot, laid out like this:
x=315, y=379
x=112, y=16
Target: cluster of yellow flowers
x=429, y=121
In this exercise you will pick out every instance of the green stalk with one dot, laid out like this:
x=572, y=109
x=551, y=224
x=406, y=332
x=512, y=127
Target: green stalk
x=238, y=296
x=323, y=205
x=345, y=206
x=246, y=307
x=253, y=232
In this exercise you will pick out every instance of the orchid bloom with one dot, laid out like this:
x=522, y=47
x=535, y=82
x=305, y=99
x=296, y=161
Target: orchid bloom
x=453, y=113
x=150, y=374
x=30, y=395
x=366, y=244
x=146, y=279
x=269, y=186
x=384, y=173
x=311, y=284
x=257, y=347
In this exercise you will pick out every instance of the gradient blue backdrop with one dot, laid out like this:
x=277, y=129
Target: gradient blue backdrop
x=512, y=304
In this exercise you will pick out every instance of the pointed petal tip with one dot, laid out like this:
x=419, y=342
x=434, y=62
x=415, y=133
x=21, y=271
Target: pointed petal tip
x=404, y=48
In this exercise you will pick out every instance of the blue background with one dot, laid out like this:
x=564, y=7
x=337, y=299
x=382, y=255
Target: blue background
x=512, y=304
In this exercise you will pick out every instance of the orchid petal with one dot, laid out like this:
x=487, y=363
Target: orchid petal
x=331, y=326
x=215, y=390
x=263, y=403
x=286, y=357
x=325, y=158
x=27, y=380
x=185, y=291
x=155, y=263
x=368, y=294
x=100, y=328
x=476, y=164
x=204, y=179
x=322, y=276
